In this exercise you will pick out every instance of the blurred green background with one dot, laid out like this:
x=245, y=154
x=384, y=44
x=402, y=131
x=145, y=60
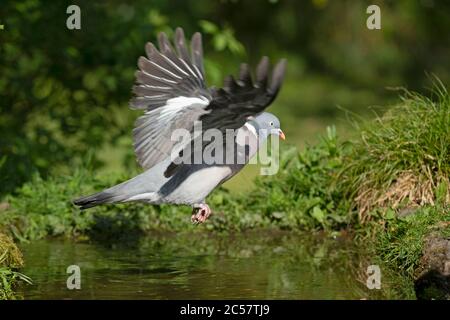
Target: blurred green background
x=64, y=93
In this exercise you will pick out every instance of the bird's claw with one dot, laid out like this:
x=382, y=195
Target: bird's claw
x=200, y=213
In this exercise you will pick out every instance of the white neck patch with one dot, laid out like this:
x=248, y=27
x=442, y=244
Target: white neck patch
x=251, y=128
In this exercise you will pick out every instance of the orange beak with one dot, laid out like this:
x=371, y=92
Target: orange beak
x=281, y=134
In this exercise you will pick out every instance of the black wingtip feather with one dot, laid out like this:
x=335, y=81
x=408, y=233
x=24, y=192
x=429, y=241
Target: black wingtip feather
x=94, y=200
x=85, y=202
x=278, y=76
x=229, y=84
x=245, y=77
x=262, y=72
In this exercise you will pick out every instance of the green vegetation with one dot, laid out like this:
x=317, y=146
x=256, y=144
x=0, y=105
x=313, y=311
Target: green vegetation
x=64, y=116
x=321, y=187
x=10, y=261
x=400, y=244
x=402, y=159
x=298, y=197
x=65, y=92
x=398, y=162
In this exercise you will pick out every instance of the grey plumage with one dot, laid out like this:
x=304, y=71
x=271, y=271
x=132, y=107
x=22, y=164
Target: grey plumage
x=171, y=89
x=147, y=182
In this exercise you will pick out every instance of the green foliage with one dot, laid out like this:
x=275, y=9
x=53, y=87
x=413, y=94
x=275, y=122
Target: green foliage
x=311, y=191
x=65, y=92
x=316, y=188
x=302, y=194
x=8, y=279
x=397, y=174
x=400, y=244
x=10, y=255
x=10, y=261
x=222, y=39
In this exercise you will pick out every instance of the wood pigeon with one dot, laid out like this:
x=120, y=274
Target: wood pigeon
x=171, y=88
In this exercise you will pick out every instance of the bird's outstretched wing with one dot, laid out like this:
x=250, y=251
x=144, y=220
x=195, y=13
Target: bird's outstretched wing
x=239, y=99
x=171, y=88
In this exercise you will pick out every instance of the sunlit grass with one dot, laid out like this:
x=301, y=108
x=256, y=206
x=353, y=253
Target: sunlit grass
x=10, y=261
x=402, y=159
x=401, y=244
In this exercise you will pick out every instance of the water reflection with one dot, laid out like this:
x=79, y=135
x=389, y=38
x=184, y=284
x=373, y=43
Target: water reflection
x=198, y=266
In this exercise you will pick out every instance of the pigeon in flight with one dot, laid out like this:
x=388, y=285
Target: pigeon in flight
x=171, y=89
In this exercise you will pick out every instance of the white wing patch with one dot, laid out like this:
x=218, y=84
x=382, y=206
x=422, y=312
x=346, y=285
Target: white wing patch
x=175, y=105
x=153, y=131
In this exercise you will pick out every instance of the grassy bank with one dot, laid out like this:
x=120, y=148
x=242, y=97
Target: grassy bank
x=389, y=185
x=10, y=261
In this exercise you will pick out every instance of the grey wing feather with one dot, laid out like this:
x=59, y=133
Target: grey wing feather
x=164, y=78
x=231, y=105
x=152, y=137
x=197, y=53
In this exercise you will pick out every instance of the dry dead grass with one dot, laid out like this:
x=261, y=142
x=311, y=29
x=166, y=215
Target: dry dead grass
x=10, y=255
x=407, y=191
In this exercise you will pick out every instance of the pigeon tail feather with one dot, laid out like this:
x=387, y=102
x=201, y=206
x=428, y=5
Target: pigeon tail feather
x=143, y=187
x=98, y=198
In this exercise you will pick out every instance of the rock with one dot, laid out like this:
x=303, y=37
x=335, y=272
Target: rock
x=433, y=274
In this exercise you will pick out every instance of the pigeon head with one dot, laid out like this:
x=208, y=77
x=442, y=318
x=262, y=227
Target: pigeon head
x=265, y=124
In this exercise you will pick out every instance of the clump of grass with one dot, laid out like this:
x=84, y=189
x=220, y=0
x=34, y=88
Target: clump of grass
x=10, y=260
x=10, y=254
x=8, y=280
x=400, y=243
x=403, y=157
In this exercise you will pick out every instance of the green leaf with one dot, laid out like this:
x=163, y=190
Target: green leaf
x=220, y=42
x=441, y=192
x=208, y=27
x=318, y=214
x=390, y=214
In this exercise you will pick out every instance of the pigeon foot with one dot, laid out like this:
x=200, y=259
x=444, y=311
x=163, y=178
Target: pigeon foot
x=200, y=213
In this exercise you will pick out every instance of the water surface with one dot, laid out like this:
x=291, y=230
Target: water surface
x=191, y=266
